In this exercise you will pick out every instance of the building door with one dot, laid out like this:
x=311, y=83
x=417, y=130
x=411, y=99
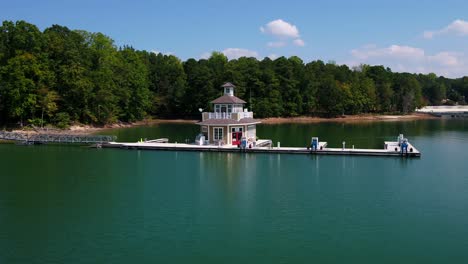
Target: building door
x=237, y=134
x=236, y=138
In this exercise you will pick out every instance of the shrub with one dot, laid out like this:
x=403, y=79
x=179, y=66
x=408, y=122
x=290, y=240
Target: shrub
x=62, y=120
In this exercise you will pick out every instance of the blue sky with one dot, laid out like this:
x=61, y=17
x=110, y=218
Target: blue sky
x=417, y=36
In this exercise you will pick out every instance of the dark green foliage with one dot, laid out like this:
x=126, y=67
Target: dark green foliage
x=330, y=97
x=407, y=93
x=62, y=120
x=61, y=76
x=167, y=81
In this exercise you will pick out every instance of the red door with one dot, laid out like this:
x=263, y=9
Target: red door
x=236, y=138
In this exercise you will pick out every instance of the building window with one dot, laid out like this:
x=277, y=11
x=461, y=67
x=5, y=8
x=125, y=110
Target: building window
x=204, y=131
x=218, y=133
x=236, y=129
x=229, y=108
x=217, y=108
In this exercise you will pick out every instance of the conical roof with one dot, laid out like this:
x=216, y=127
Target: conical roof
x=228, y=84
x=228, y=99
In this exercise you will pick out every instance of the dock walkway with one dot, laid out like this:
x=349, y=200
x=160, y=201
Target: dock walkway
x=323, y=150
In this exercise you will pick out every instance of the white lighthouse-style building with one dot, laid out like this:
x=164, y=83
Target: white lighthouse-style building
x=230, y=122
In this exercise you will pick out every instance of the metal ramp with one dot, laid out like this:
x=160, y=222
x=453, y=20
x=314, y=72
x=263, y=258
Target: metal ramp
x=56, y=138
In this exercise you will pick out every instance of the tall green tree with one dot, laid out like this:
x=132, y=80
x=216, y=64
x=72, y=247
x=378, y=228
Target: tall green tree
x=408, y=93
x=22, y=77
x=330, y=97
x=105, y=60
x=168, y=82
x=201, y=89
x=132, y=86
x=47, y=100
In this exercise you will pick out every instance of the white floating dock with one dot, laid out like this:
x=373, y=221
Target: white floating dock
x=388, y=150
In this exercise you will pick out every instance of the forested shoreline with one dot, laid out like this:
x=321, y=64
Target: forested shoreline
x=61, y=76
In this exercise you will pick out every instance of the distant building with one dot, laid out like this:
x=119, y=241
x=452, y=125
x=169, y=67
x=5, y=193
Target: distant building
x=230, y=121
x=446, y=111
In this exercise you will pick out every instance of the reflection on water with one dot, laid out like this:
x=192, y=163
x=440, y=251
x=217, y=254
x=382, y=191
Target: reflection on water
x=61, y=204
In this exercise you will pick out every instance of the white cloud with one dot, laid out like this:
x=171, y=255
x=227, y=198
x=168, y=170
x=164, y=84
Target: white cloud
x=411, y=59
x=283, y=32
x=280, y=28
x=299, y=42
x=458, y=27
x=428, y=34
x=276, y=44
x=273, y=56
x=405, y=51
x=402, y=52
x=446, y=58
x=163, y=53
x=235, y=53
x=205, y=55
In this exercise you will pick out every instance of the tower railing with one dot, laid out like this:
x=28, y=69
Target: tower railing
x=222, y=115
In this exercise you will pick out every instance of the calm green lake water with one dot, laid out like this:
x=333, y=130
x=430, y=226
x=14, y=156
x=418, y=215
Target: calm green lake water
x=64, y=204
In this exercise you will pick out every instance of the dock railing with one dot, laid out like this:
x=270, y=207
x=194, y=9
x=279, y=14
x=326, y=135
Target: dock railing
x=56, y=138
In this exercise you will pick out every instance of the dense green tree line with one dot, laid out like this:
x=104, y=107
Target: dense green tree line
x=59, y=76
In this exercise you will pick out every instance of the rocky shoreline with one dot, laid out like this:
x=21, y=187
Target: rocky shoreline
x=89, y=129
